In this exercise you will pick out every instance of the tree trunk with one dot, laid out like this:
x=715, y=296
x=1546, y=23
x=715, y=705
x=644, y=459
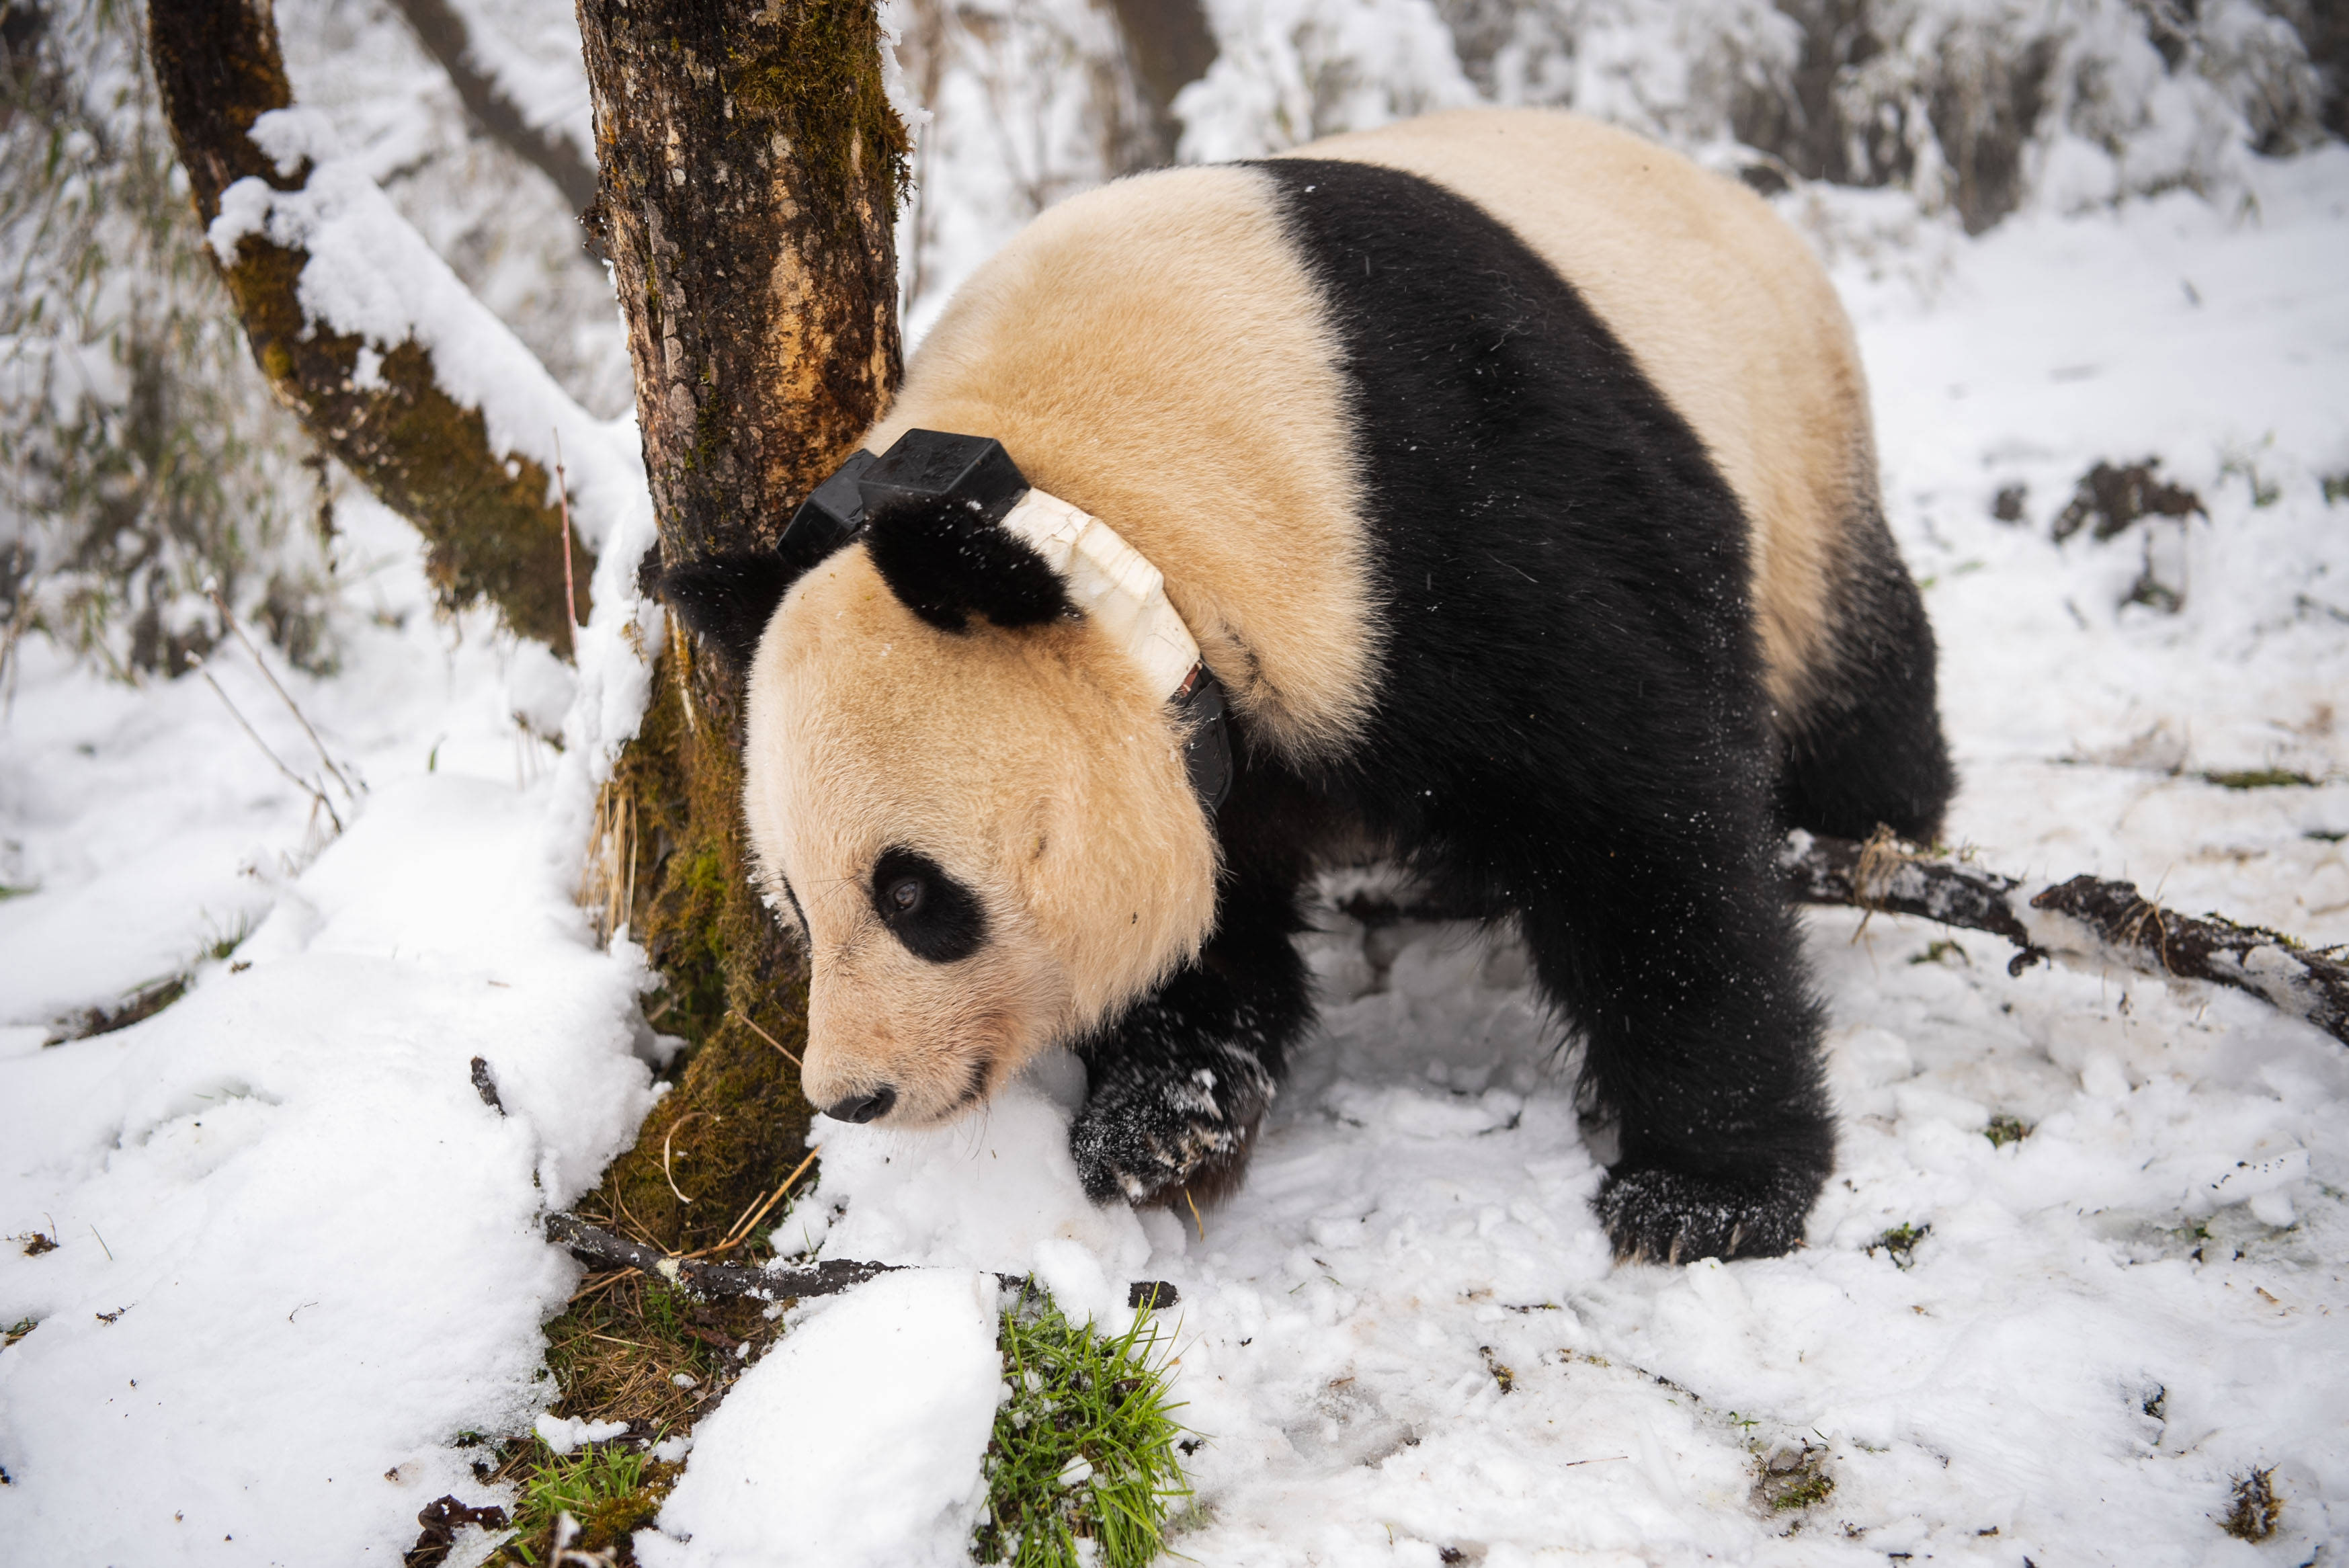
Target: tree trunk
x=1169, y=46
x=489, y=529
x=750, y=167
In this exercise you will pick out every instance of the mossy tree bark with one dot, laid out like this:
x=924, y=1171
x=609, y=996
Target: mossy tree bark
x=488, y=528
x=750, y=167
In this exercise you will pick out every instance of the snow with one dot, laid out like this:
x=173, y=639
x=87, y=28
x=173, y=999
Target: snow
x=905, y=1370
x=298, y=1258
x=321, y=1244
x=568, y=1434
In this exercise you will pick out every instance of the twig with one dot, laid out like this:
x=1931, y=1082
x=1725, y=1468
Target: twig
x=598, y=1283
x=747, y=1022
x=292, y=778
x=570, y=595
x=212, y=586
x=594, y=1245
x=2084, y=920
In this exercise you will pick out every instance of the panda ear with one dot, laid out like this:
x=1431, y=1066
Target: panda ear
x=934, y=506
x=947, y=564
x=728, y=600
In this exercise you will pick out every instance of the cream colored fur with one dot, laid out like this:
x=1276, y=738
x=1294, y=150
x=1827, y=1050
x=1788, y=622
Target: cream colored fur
x=1155, y=352
x=1036, y=767
x=1723, y=306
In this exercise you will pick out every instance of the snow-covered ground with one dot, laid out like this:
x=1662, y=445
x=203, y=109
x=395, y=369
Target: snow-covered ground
x=295, y=1251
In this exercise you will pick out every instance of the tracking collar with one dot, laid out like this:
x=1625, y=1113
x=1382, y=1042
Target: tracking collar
x=1103, y=577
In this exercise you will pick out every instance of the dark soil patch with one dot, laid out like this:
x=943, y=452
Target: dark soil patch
x=2108, y=498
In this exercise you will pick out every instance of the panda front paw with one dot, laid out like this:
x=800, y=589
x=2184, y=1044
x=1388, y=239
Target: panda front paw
x=1146, y=1135
x=1665, y=1216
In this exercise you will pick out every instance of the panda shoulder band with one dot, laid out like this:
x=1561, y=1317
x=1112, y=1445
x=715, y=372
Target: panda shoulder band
x=1103, y=577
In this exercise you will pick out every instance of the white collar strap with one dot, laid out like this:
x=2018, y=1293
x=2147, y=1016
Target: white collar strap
x=1108, y=581
x=1111, y=581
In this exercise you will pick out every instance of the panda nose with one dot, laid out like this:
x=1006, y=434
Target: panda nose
x=864, y=1107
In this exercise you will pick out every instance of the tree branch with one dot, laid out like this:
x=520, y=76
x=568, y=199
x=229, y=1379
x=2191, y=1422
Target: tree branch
x=2084, y=922
x=594, y=1245
x=444, y=35
x=489, y=529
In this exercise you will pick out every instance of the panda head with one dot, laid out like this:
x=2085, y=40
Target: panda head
x=972, y=800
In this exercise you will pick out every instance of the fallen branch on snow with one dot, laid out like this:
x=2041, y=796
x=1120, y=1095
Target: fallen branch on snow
x=2082, y=921
x=594, y=1245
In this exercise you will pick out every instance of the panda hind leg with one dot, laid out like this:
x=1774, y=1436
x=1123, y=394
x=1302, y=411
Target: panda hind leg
x=1865, y=748
x=1179, y=1083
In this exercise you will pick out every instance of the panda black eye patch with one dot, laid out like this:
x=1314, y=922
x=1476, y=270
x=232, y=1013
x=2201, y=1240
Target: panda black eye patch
x=936, y=917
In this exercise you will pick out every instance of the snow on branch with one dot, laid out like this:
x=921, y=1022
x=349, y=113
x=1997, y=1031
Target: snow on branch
x=447, y=39
x=388, y=359
x=594, y=1245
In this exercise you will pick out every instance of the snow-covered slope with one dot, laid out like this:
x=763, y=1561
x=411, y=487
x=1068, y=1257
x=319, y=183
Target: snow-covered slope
x=1404, y=1339
x=284, y=1214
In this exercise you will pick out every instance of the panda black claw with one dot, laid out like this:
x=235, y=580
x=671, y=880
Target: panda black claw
x=1140, y=1137
x=1665, y=1216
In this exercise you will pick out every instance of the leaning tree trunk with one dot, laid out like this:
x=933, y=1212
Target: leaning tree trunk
x=489, y=529
x=750, y=167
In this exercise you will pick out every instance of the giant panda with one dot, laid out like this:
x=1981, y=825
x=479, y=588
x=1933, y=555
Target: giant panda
x=1501, y=486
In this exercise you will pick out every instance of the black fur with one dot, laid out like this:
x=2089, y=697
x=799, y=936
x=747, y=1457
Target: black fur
x=947, y=561
x=1569, y=732
x=936, y=917
x=1867, y=750
x=728, y=600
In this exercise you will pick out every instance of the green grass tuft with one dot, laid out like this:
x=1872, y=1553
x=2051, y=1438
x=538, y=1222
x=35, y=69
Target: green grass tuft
x=2260, y=779
x=1084, y=1450
x=2005, y=1129
x=1900, y=1244
x=611, y=1490
x=221, y=941
x=1793, y=1479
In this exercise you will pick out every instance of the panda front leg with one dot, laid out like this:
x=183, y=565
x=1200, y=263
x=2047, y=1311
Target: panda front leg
x=1181, y=1079
x=1681, y=965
